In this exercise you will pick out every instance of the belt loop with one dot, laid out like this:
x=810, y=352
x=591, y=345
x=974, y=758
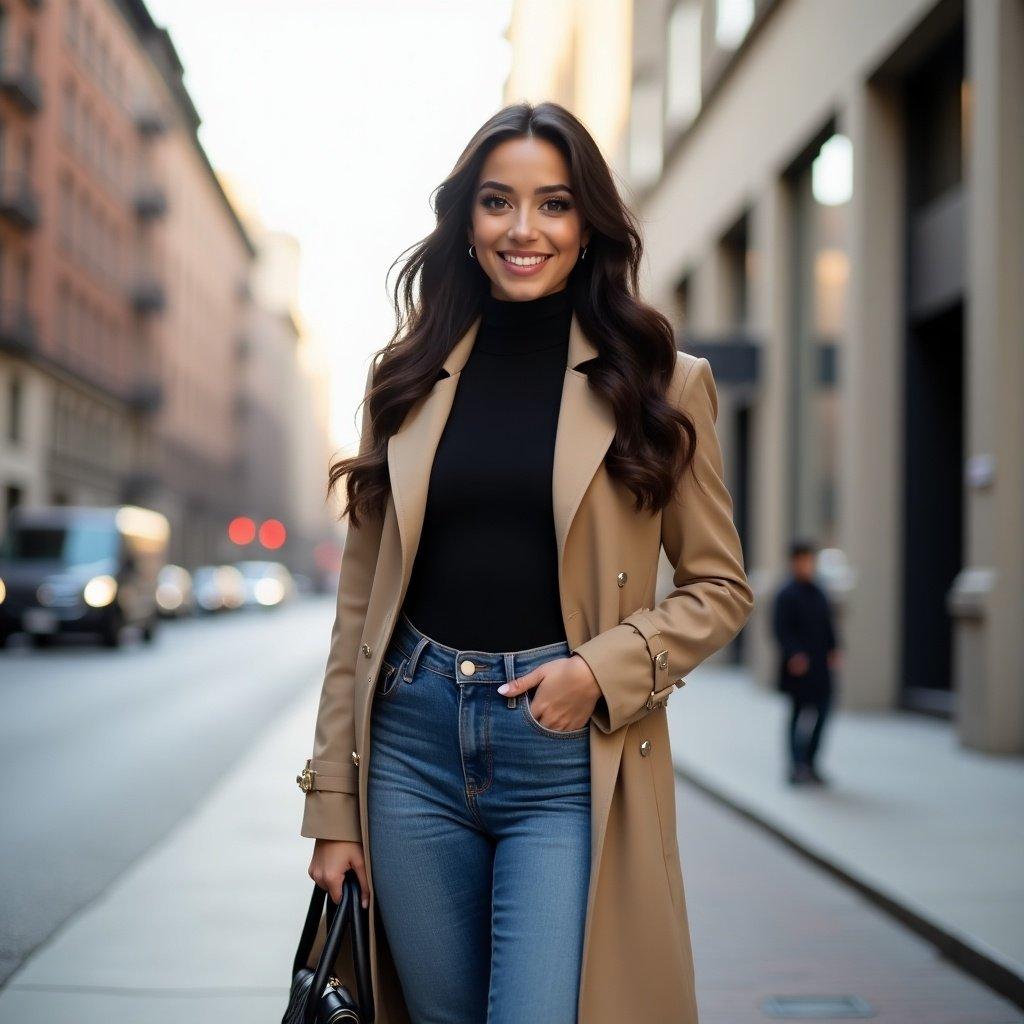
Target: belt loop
x=510, y=674
x=410, y=667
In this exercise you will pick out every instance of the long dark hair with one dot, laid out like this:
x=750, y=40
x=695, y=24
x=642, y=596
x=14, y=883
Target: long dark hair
x=654, y=442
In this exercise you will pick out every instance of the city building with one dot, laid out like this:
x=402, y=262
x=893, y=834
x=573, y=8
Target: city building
x=283, y=410
x=830, y=199
x=125, y=294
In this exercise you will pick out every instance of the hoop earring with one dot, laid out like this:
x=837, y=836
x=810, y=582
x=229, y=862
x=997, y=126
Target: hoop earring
x=471, y=254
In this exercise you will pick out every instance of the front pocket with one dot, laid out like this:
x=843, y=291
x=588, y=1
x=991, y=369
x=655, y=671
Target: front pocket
x=543, y=729
x=389, y=679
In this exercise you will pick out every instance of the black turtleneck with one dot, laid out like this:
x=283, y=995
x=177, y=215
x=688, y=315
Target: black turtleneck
x=486, y=571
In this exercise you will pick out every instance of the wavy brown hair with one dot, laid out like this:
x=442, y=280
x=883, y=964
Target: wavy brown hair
x=654, y=442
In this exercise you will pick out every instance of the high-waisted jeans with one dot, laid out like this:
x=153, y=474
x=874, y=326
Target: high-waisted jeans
x=479, y=824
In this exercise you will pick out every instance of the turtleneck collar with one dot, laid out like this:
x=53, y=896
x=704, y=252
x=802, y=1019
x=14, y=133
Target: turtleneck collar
x=508, y=325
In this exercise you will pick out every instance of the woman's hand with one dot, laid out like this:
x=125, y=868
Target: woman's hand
x=331, y=859
x=569, y=699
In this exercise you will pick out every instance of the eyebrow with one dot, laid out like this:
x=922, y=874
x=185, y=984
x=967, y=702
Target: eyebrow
x=542, y=190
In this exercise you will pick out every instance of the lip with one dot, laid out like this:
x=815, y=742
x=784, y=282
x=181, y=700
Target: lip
x=515, y=271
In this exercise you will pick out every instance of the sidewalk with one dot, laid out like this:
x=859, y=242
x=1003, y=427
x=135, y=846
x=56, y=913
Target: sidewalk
x=911, y=815
x=170, y=940
x=935, y=828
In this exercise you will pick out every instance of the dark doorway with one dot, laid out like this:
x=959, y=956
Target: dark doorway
x=933, y=519
x=933, y=368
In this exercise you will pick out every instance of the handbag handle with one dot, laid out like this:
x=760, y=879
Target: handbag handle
x=338, y=918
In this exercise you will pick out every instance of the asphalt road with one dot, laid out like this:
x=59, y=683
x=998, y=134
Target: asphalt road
x=102, y=752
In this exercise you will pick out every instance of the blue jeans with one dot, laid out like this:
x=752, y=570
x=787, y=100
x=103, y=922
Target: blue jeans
x=479, y=823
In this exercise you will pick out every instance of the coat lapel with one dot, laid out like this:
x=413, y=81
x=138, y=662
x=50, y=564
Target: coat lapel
x=586, y=427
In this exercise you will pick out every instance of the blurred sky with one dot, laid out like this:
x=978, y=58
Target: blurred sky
x=336, y=119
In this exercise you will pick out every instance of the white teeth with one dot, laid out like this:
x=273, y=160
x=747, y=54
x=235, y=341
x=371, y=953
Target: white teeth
x=523, y=261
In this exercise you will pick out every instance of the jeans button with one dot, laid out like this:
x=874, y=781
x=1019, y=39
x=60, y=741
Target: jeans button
x=467, y=667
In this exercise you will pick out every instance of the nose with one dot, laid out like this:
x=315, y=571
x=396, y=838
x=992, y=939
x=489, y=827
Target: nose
x=523, y=226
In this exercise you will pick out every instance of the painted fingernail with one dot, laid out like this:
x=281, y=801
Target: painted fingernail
x=504, y=688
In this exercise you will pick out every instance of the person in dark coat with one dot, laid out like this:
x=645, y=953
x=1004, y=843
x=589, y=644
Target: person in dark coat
x=808, y=649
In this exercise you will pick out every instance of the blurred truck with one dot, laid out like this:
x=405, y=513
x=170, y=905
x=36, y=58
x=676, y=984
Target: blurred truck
x=81, y=569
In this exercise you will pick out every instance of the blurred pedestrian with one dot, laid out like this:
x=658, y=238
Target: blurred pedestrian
x=802, y=624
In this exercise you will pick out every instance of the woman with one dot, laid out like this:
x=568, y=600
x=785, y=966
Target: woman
x=491, y=753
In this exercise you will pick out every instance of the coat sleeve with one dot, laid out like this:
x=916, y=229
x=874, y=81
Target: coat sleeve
x=640, y=661
x=332, y=787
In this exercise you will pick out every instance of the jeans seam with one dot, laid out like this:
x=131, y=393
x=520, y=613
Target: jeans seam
x=468, y=790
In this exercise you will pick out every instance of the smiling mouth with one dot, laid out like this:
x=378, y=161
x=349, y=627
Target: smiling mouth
x=523, y=261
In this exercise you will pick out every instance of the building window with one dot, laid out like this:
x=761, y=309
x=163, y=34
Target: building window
x=733, y=19
x=88, y=41
x=15, y=402
x=65, y=213
x=13, y=497
x=63, y=317
x=70, y=113
x=645, y=132
x=104, y=65
x=683, y=65
x=821, y=193
x=73, y=24
x=24, y=278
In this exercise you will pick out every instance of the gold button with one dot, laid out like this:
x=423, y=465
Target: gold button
x=467, y=667
x=355, y=757
x=621, y=579
x=645, y=748
x=662, y=659
x=367, y=650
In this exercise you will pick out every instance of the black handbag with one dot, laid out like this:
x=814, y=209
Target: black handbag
x=316, y=996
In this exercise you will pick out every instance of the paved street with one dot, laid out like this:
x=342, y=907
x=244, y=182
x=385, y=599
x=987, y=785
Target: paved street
x=202, y=926
x=102, y=752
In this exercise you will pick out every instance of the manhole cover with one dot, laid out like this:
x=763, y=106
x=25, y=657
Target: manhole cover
x=807, y=1007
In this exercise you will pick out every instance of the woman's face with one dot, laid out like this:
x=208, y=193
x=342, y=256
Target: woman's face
x=524, y=208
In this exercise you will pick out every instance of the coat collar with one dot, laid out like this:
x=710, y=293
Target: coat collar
x=586, y=427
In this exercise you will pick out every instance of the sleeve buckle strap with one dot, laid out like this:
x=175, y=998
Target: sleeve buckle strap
x=648, y=631
x=662, y=695
x=306, y=778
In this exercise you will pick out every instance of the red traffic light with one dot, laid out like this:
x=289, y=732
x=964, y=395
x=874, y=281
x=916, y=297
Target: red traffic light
x=241, y=530
x=272, y=533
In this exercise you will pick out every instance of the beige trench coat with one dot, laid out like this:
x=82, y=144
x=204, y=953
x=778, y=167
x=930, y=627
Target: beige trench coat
x=637, y=962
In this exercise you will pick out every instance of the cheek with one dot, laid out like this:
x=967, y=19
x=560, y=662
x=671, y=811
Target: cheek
x=565, y=236
x=487, y=231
